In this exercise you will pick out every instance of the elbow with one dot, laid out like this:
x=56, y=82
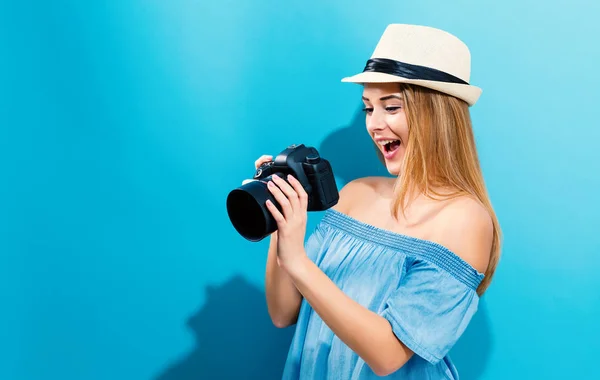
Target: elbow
x=383, y=371
x=388, y=355
x=282, y=321
x=282, y=316
x=387, y=367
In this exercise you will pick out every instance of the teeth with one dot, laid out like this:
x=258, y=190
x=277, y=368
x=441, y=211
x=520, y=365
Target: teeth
x=385, y=142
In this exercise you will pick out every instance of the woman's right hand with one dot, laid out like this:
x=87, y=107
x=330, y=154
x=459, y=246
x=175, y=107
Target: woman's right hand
x=262, y=159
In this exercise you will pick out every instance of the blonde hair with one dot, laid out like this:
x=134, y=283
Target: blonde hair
x=441, y=153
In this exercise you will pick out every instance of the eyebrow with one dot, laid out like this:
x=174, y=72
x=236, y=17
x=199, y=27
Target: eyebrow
x=386, y=98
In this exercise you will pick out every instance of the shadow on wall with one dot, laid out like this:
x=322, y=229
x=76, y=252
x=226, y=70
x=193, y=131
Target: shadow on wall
x=235, y=338
x=351, y=152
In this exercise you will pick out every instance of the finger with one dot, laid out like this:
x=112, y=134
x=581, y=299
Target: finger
x=262, y=159
x=275, y=212
x=288, y=190
x=281, y=199
x=302, y=196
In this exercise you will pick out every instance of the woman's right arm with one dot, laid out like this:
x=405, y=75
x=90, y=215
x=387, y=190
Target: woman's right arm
x=283, y=299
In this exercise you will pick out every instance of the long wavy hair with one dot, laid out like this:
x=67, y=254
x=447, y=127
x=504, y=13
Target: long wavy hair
x=441, y=153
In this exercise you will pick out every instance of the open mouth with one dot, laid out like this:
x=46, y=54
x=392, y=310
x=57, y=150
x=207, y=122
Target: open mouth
x=389, y=146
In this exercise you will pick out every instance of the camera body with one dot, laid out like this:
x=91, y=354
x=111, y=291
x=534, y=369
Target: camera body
x=312, y=171
x=246, y=205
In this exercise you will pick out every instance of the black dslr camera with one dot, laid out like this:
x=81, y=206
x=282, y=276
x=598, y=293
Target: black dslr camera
x=246, y=204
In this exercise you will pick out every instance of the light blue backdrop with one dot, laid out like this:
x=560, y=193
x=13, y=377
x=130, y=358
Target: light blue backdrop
x=125, y=124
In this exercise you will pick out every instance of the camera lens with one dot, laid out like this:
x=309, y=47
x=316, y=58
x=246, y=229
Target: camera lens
x=248, y=212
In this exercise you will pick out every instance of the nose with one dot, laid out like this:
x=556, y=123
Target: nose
x=375, y=121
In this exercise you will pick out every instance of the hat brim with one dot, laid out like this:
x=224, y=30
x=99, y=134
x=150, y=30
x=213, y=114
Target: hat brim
x=468, y=93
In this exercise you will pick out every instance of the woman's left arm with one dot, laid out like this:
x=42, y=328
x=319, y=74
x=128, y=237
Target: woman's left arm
x=365, y=332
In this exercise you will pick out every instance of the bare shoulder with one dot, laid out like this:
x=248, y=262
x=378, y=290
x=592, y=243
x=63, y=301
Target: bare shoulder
x=466, y=228
x=357, y=191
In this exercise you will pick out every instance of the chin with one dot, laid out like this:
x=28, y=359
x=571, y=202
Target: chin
x=394, y=172
x=393, y=168
x=393, y=160
x=394, y=165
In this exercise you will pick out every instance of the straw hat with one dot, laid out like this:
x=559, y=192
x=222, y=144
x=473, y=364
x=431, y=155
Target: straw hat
x=423, y=56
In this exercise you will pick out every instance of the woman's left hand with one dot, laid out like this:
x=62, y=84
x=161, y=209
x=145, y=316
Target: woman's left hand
x=291, y=222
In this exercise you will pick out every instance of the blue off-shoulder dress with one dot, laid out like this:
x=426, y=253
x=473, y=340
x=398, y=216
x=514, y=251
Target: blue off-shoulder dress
x=426, y=292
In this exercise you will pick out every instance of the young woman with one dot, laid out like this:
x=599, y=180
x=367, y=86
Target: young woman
x=392, y=275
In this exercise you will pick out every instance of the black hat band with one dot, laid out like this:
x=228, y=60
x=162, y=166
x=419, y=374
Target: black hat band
x=409, y=71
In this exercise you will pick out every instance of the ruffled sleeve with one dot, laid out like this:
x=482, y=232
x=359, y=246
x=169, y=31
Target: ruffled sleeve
x=432, y=306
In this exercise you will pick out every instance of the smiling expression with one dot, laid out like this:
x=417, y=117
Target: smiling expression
x=386, y=122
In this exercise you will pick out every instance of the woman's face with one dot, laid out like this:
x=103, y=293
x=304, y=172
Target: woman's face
x=386, y=122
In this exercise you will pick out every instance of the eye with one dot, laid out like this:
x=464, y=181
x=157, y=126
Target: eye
x=367, y=110
x=392, y=108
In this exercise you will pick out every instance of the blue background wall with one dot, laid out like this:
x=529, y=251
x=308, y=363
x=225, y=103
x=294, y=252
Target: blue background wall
x=125, y=124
